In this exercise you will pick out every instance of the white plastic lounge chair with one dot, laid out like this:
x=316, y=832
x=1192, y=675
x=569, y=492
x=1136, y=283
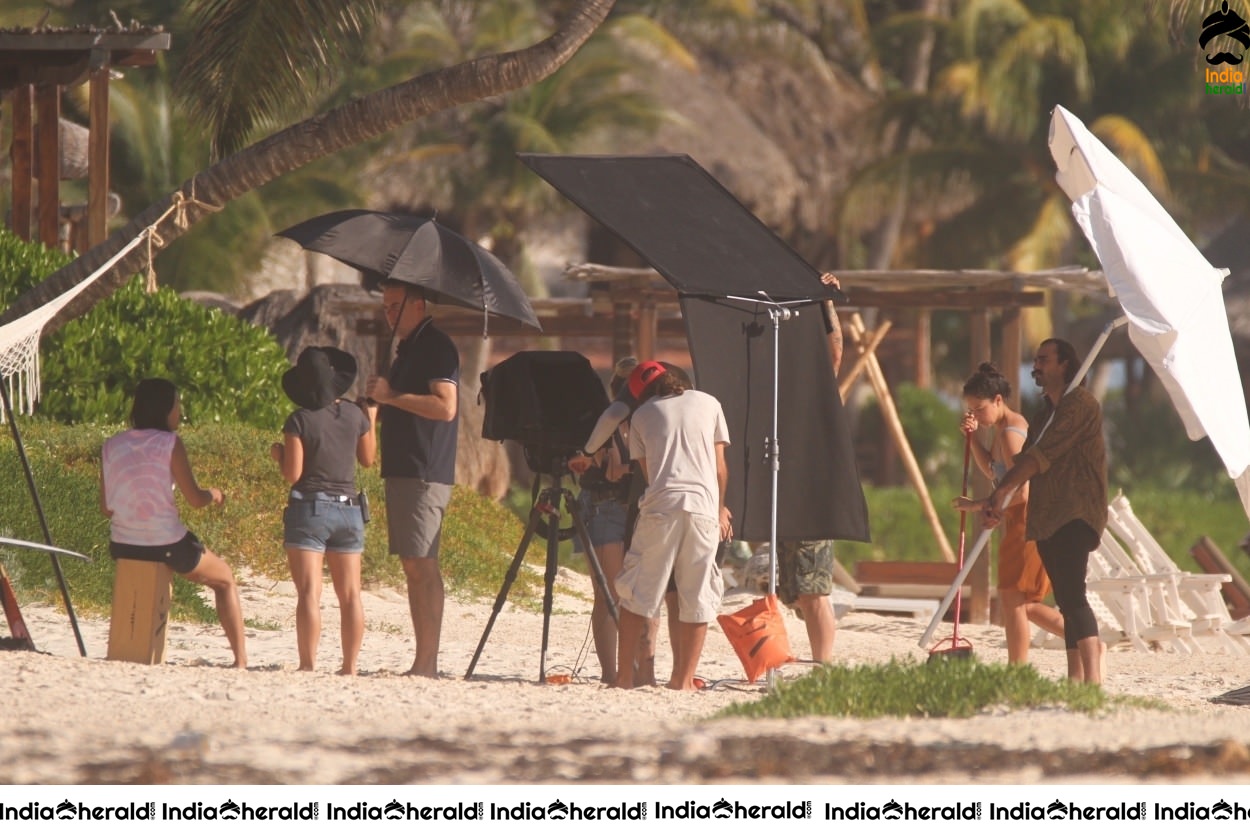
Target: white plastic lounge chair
x=1198, y=594
x=1138, y=605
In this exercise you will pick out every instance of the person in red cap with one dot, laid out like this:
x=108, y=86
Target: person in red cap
x=678, y=437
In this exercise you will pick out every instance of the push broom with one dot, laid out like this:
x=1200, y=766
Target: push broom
x=956, y=647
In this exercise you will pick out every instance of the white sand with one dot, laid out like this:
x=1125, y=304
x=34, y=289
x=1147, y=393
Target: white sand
x=73, y=720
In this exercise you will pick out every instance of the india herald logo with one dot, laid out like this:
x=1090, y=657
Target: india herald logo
x=1229, y=24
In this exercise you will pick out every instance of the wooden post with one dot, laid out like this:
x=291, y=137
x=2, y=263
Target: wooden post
x=1012, y=351
x=98, y=158
x=979, y=604
x=22, y=155
x=895, y=426
x=647, y=325
x=48, y=108
x=141, y=593
x=924, y=349
x=622, y=331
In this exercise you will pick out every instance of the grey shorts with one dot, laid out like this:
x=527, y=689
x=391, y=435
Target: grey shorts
x=414, y=516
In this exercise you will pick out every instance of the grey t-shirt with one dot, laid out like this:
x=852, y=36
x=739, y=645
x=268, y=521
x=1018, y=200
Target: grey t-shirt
x=677, y=436
x=329, y=436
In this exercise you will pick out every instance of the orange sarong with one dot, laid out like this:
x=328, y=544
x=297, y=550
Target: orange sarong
x=1019, y=563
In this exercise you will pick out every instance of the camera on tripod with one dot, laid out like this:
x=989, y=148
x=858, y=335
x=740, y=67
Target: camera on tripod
x=546, y=400
x=549, y=402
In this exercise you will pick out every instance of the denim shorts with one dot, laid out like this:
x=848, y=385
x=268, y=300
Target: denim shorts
x=605, y=520
x=323, y=526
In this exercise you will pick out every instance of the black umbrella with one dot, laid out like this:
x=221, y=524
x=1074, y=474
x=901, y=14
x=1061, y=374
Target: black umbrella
x=449, y=268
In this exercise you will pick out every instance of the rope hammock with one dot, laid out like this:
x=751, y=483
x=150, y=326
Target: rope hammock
x=19, y=339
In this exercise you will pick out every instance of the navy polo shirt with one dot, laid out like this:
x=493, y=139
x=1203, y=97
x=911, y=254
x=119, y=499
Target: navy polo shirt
x=414, y=446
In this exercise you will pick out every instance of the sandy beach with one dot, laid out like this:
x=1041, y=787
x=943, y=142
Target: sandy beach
x=79, y=721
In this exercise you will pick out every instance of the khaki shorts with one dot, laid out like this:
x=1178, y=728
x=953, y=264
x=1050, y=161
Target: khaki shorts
x=680, y=544
x=414, y=516
x=804, y=568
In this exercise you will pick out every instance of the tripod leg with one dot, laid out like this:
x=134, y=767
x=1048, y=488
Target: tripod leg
x=592, y=558
x=549, y=580
x=509, y=578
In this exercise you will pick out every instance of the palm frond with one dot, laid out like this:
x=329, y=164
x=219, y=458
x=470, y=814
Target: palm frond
x=1027, y=67
x=644, y=31
x=251, y=63
x=1052, y=232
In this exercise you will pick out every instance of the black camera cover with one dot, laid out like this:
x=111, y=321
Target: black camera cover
x=546, y=400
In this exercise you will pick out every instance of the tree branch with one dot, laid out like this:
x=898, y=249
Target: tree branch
x=289, y=149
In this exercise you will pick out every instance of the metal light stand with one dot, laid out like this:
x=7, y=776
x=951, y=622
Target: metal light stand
x=777, y=313
x=547, y=505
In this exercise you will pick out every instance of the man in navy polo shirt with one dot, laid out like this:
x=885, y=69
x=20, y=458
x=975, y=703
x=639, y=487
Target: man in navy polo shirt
x=418, y=400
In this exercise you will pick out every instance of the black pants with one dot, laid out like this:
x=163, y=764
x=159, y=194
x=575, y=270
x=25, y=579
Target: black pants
x=1065, y=555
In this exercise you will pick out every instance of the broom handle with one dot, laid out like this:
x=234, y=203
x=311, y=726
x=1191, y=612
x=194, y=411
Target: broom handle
x=963, y=530
x=977, y=547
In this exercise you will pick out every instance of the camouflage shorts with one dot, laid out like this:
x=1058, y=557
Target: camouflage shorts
x=804, y=568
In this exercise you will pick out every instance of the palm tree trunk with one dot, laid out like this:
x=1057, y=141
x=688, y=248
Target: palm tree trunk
x=886, y=241
x=355, y=122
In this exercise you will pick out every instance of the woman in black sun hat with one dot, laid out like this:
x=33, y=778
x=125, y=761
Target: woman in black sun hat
x=324, y=519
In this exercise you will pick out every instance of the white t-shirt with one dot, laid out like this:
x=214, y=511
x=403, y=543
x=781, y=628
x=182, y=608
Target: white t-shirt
x=139, y=487
x=677, y=436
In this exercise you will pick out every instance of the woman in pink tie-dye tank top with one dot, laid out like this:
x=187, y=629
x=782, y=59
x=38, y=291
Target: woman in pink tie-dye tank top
x=140, y=468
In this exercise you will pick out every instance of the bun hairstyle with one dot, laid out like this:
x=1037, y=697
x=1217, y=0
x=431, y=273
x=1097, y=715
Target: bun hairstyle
x=987, y=383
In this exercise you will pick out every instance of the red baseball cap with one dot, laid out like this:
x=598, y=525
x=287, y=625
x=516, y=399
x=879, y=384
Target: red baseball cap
x=644, y=375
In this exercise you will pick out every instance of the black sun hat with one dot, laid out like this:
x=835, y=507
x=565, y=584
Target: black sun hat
x=319, y=377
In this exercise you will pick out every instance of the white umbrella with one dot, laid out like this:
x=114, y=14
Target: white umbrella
x=1170, y=293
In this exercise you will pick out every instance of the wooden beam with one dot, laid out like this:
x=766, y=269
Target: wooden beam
x=874, y=339
x=944, y=299
x=27, y=42
x=98, y=158
x=47, y=136
x=22, y=154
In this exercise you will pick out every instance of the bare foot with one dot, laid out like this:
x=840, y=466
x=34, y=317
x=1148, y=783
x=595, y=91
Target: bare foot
x=421, y=673
x=676, y=687
x=346, y=672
